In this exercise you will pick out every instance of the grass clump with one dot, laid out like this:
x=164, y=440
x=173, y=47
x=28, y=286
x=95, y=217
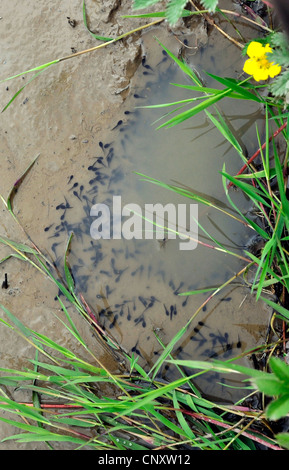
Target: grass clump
x=71, y=405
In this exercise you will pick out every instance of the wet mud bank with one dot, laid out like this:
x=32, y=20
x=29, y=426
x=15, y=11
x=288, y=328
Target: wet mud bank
x=85, y=119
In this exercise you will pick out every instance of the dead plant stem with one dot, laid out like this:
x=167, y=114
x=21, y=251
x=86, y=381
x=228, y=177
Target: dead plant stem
x=107, y=43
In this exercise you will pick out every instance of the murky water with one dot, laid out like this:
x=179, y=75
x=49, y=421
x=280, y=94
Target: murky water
x=92, y=142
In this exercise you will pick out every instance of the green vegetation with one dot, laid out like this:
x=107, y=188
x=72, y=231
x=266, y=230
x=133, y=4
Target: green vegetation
x=134, y=410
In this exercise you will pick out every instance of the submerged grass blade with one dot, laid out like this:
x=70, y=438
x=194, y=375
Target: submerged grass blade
x=223, y=128
x=189, y=194
x=68, y=275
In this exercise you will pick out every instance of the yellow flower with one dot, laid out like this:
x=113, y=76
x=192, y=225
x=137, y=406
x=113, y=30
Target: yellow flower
x=258, y=64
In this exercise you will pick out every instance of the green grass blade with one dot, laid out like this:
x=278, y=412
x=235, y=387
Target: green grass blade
x=236, y=87
x=35, y=69
x=73, y=330
x=213, y=91
x=183, y=66
x=198, y=291
x=165, y=105
x=253, y=193
x=222, y=126
x=192, y=112
x=149, y=397
x=186, y=193
x=95, y=36
x=24, y=410
x=180, y=416
x=18, y=246
x=163, y=14
x=22, y=88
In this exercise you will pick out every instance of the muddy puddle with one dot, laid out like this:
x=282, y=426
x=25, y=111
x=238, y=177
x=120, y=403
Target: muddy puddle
x=134, y=284
x=86, y=120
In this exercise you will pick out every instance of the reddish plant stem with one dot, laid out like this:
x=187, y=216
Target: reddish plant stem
x=260, y=440
x=258, y=152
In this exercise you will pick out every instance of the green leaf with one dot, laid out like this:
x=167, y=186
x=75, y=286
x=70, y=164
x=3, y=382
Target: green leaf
x=207, y=90
x=271, y=385
x=48, y=436
x=279, y=368
x=174, y=10
x=279, y=40
x=81, y=422
x=278, y=408
x=198, y=291
x=23, y=410
x=280, y=85
x=210, y=5
x=283, y=439
x=283, y=311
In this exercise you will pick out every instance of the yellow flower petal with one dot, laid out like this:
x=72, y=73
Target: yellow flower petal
x=274, y=70
x=255, y=50
x=267, y=49
x=260, y=74
x=250, y=66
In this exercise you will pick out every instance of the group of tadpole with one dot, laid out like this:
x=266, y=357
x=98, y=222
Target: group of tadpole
x=106, y=172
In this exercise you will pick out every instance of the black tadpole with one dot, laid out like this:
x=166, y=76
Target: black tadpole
x=117, y=125
x=5, y=284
